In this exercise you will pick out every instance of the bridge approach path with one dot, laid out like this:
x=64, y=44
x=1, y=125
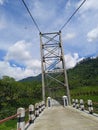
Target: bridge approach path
x=68, y=118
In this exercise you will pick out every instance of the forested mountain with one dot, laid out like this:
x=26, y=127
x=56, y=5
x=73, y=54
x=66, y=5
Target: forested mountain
x=85, y=73
x=33, y=78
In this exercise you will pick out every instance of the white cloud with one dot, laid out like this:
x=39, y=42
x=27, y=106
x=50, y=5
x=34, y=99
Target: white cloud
x=42, y=11
x=19, y=52
x=33, y=63
x=72, y=60
x=16, y=72
x=33, y=68
x=68, y=4
x=88, y=15
x=1, y=2
x=89, y=5
x=92, y=35
x=69, y=36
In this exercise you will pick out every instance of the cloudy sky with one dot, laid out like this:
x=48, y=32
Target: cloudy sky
x=19, y=38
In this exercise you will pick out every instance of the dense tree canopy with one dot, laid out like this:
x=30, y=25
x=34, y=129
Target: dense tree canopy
x=85, y=73
x=17, y=94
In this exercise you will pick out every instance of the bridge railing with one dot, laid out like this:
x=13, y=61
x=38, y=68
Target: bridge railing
x=33, y=112
x=89, y=105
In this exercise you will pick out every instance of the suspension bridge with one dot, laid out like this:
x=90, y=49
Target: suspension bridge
x=51, y=114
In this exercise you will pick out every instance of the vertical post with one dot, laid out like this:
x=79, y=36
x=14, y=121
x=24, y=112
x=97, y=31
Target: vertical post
x=90, y=106
x=21, y=119
x=43, y=105
x=65, y=73
x=73, y=102
x=81, y=104
x=31, y=114
x=40, y=109
x=65, y=101
x=49, y=102
x=42, y=67
x=76, y=104
x=36, y=109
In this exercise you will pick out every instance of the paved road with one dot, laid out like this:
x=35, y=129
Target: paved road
x=60, y=118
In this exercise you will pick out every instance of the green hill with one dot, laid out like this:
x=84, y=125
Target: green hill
x=32, y=78
x=83, y=81
x=85, y=73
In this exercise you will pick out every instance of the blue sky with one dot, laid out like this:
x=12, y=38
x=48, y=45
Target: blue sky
x=19, y=38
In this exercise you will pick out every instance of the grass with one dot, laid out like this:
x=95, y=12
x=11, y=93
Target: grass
x=86, y=93
x=9, y=125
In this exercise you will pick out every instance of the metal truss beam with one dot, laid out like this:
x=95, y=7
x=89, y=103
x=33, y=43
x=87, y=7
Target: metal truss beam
x=53, y=63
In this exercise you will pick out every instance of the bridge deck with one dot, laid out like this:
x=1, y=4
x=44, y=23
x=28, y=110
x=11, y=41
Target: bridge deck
x=59, y=118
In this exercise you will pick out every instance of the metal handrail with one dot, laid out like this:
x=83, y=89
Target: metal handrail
x=11, y=117
x=8, y=118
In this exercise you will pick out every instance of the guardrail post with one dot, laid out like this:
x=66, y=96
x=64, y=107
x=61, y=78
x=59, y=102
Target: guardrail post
x=65, y=101
x=49, y=103
x=90, y=106
x=81, y=104
x=73, y=102
x=31, y=114
x=40, y=110
x=43, y=105
x=21, y=119
x=76, y=104
x=36, y=109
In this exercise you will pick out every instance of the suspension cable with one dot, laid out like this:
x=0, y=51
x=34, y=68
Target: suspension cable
x=72, y=15
x=31, y=16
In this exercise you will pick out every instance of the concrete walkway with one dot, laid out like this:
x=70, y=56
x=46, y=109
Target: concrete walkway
x=60, y=118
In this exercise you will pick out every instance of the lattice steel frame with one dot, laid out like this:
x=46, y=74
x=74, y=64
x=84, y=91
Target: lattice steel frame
x=52, y=62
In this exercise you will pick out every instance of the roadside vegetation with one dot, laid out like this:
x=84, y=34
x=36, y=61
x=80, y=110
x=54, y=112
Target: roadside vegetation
x=83, y=83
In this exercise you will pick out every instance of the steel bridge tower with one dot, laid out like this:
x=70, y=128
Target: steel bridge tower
x=54, y=76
